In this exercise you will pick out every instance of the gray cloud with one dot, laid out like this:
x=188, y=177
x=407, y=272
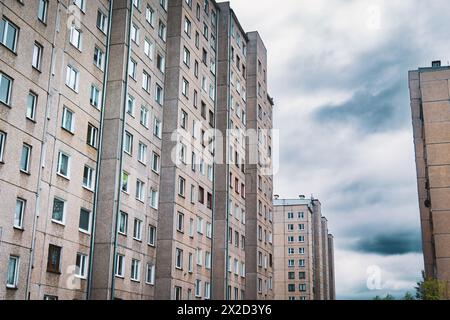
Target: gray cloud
x=392, y=243
x=371, y=112
x=343, y=112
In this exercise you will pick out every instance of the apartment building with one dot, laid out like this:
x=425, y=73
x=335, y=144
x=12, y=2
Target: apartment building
x=259, y=175
x=303, y=264
x=112, y=177
x=430, y=101
x=187, y=179
x=229, y=254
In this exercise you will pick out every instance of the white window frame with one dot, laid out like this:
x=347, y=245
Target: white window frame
x=59, y=167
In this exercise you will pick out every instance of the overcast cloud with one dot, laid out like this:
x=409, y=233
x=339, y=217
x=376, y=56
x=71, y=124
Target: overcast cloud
x=338, y=73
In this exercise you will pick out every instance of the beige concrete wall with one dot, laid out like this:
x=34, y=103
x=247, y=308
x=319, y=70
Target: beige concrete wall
x=429, y=88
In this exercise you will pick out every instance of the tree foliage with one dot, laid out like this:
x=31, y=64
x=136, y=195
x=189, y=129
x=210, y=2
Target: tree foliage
x=431, y=289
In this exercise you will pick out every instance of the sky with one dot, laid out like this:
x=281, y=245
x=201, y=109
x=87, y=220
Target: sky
x=338, y=71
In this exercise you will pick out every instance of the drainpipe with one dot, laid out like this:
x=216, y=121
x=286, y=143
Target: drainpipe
x=99, y=154
x=227, y=297
x=119, y=177
x=215, y=152
x=42, y=158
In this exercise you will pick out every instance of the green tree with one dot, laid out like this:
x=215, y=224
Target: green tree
x=408, y=296
x=389, y=297
x=431, y=289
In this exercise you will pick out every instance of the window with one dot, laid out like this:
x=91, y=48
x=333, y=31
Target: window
x=290, y=227
x=37, y=56
x=142, y=153
x=148, y=48
x=180, y=222
x=178, y=293
x=301, y=263
x=302, y=275
x=137, y=4
x=205, y=31
x=187, y=26
x=301, y=239
x=85, y=221
x=208, y=260
x=42, y=10
x=301, y=251
x=54, y=259
x=191, y=228
x=209, y=230
x=146, y=79
x=198, y=288
x=81, y=266
x=159, y=96
x=185, y=88
x=88, y=177
x=132, y=67
x=8, y=34
x=150, y=277
x=120, y=265
x=162, y=30
x=291, y=275
x=195, y=74
x=291, y=287
x=163, y=4
x=209, y=201
x=201, y=195
x=199, y=225
x=151, y=236
x=25, y=158
x=130, y=105
x=80, y=4
x=154, y=195
x=291, y=251
x=207, y=290
x=123, y=223
x=125, y=180
x=160, y=63
x=291, y=263
x=150, y=15
x=63, y=168
x=179, y=259
x=199, y=255
x=128, y=143
x=5, y=89
x=13, y=272
x=68, y=120
x=92, y=136
x=72, y=78
x=19, y=213
x=99, y=58
x=157, y=128
x=135, y=270
x=102, y=21
x=155, y=162
x=95, y=97
x=31, y=105
x=144, y=116
x=58, y=213
x=134, y=33
x=192, y=194
x=76, y=37
x=140, y=187
x=181, y=186
x=302, y=287
x=186, y=57
x=301, y=227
